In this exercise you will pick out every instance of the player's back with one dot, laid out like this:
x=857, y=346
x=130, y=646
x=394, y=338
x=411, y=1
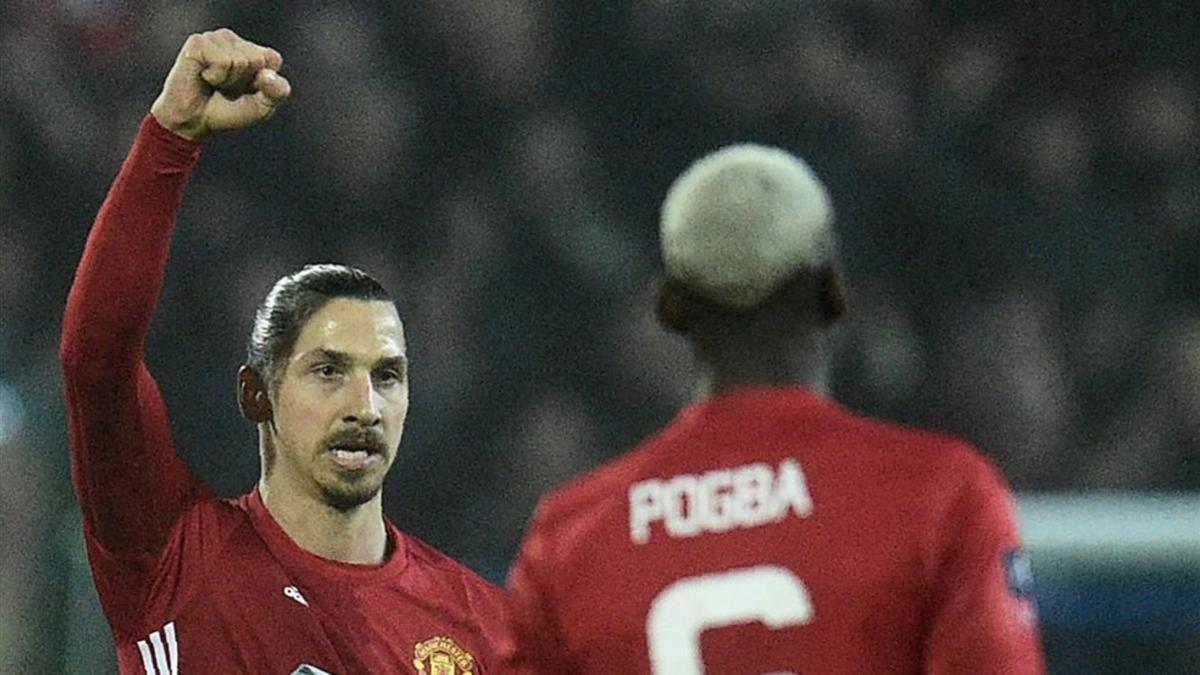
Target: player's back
x=768, y=530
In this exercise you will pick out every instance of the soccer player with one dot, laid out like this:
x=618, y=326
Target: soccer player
x=768, y=529
x=304, y=574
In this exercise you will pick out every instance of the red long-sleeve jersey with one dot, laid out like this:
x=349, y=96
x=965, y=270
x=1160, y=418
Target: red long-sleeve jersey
x=191, y=583
x=772, y=531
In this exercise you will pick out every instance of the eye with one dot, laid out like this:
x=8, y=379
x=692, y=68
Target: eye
x=326, y=371
x=389, y=376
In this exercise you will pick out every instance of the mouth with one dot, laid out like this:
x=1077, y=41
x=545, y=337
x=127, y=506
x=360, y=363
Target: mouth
x=355, y=455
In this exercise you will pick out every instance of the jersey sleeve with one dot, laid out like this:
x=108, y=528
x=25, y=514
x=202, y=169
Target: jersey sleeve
x=131, y=485
x=984, y=618
x=534, y=642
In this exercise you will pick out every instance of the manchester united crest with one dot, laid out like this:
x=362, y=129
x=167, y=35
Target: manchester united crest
x=442, y=656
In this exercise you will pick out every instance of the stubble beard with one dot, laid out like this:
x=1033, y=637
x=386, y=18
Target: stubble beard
x=348, y=494
x=348, y=491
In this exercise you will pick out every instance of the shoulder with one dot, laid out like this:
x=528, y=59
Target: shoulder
x=942, y=457
x=451, y=574
x=193, y=551
x=207, y=527
x=584, y=517
x=206, y=518
x=225, y=514
x=956, y=484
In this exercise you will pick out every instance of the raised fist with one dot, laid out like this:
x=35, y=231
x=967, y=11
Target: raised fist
x=220, y=82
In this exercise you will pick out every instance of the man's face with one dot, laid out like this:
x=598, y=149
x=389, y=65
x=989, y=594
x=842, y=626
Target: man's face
x=340, y=402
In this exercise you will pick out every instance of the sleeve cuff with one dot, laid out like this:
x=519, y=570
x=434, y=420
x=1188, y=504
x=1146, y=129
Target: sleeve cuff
x=172, y=151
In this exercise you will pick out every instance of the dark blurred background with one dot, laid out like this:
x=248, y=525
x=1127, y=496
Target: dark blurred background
x=1017, y=188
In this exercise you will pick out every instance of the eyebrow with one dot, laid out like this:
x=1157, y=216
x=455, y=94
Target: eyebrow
x=399, y=363
x=343, y=359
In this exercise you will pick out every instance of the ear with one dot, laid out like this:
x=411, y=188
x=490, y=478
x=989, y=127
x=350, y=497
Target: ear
x=252, y=396
x=832, y=301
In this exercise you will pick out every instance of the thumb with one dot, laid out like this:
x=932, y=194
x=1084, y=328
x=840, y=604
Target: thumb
x=225, y=114
x=272, y=88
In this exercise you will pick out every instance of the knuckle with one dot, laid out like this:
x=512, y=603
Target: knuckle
x=194, y=43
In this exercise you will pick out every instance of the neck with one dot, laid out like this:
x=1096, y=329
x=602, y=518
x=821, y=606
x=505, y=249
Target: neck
x=767, y=364
x=355, y=536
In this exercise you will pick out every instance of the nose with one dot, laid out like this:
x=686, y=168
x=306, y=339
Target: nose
x=362, y=408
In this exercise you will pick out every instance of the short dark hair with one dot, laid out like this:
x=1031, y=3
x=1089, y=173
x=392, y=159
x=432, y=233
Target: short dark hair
x=292, y=301
x=809, y=297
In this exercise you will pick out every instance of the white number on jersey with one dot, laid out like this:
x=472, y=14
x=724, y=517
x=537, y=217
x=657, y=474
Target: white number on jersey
x=678, y=615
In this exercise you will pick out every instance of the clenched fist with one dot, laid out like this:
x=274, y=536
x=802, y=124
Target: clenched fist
x=220, y=82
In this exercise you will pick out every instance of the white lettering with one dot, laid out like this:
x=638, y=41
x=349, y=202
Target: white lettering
x=681, y=512
x=717, y=501
x=791, y=490
x=713, y=501
x=644, y=508
x=752, y=484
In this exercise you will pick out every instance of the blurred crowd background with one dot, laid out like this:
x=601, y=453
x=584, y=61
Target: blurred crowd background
x=1016, y=182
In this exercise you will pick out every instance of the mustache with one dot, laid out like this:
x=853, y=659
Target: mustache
x=369, y=440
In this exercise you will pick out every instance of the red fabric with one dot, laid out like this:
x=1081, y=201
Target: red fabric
x=902, y=559
x=195, y=584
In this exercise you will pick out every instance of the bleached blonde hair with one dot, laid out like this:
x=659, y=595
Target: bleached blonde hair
x=740, y=221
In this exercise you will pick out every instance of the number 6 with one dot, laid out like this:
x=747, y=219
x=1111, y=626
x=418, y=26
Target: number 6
x=685, y=609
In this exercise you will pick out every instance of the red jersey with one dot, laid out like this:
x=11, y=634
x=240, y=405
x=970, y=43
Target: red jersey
x=771, y=531
x=195, y=584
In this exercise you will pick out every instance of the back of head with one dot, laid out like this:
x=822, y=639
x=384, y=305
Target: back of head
x=740, y=221
x=742, y=227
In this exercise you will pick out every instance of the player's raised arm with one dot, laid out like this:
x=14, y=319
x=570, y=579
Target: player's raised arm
x=131, y=485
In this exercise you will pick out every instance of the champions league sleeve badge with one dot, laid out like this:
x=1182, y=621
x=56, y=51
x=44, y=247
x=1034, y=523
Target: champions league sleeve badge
x=1018, y=574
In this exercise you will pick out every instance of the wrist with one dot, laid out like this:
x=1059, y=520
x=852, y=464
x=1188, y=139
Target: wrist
x=186, y=129
x=172, y=149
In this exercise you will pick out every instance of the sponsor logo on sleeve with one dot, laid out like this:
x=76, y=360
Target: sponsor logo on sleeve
x=1018, y=574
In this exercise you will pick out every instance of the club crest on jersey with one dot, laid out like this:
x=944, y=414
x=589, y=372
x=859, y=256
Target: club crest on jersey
x=440, y=655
